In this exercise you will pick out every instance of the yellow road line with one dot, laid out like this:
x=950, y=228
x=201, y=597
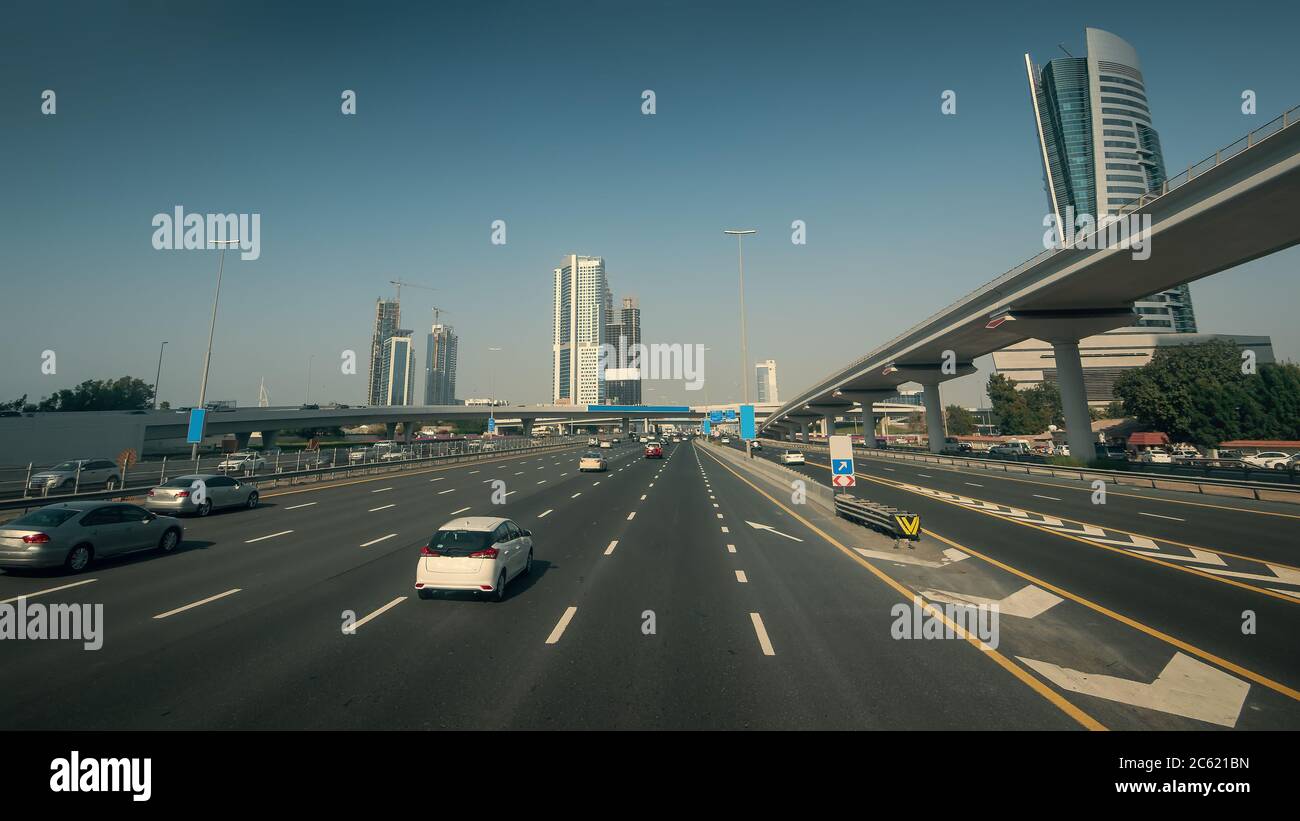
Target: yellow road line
x=1055, y=698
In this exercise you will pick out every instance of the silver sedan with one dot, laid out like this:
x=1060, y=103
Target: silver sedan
x=74, y=534
x=200, y=494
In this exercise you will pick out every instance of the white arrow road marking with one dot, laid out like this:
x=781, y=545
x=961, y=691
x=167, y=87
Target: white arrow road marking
x=768, y=528
x=1027, y=602
x=906, y=559
x=1186, y=687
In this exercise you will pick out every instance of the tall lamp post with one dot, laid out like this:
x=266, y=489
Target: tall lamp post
x=157, y=380
x=740, y=234
x=212, y=328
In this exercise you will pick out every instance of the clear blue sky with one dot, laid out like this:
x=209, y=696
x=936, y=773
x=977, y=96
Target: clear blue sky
x=531, y=113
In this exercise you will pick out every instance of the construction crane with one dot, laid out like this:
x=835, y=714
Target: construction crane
x=399, y=283
x=437, y=312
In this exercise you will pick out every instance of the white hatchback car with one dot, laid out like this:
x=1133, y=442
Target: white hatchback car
x=478, y=553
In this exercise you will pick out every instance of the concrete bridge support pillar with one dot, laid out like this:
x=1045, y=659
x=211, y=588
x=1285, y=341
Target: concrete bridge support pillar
x=528, y=428
x=803, y=432
x=241, y=440
x=268, y=438
x=828, y=424
x=390, y=431
x=934, y=426
x=1074, y=401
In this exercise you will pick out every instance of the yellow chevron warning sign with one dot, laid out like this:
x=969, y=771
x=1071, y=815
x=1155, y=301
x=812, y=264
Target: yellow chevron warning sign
x=909, y=523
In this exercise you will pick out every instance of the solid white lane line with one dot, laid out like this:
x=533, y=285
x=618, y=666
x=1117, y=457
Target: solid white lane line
x=740, y=577
x=926, y=475
x=543, y=515
x=380, y=539
x=462, y=510
x=295, y=507
x=631, y=515
x=439, y=479
x=1158, y=516
x=381, y=507
x=559, y=627
x=197, y=604
x=472, y=472
x=381, y=490
x=542, y=482
x=972, y=484
x=891, y=470
x=381, y=611
x=761, y=631
x=1053, y=498
x=271, y=536
x=611, y=547
x=48, y=590
x=508, y=493
x=448, y=490
x=519, y=473
x=593, y=484
x=731, y=548
x=576, y=495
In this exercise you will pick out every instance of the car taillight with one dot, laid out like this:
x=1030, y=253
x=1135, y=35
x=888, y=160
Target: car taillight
x=428, y=551
x=36, y=538
x=180, y=494
x=151, y=494
x=490, y=553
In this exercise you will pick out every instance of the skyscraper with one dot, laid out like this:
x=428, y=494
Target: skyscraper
x=388, y=315
x=765, y=373
x=399, y=370
x=1099, y=150
x=440, y=366
x=579, y=329
x=623, y=376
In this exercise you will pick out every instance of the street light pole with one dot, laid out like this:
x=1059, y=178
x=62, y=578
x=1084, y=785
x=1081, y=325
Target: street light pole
x=157, y=380
x=740, y=234
x=306, y=397
x=212, y=328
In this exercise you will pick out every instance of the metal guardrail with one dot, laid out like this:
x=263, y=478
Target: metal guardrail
x=1267, y=491
x=900, y=524
x=273, y=479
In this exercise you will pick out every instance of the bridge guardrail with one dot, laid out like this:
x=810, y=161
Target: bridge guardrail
x=1263, y=491
x=900, y=524
x=273, y=479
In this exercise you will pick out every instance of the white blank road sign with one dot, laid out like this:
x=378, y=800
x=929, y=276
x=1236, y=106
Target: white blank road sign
x=841, y=456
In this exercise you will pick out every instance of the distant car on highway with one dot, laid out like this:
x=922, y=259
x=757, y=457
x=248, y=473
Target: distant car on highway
x=478, y=553
x=755, y=445
x=726, y=440
x=644, y=439
x=1012, y=448
x=605, y=444
x=654, y=450
x=792, y=457
x=74, y=534
x=592, y=460
x=178, y=496
x=593, y=442
x=242, y=461
x=1270, y=459
x=96, y=474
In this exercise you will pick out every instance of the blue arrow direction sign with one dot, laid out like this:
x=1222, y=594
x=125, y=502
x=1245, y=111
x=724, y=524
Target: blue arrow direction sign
x=842, y=467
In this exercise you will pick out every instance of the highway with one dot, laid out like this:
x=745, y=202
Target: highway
x=681, y=593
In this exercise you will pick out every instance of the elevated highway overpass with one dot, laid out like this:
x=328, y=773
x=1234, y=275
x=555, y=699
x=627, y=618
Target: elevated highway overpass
x=1237, y=205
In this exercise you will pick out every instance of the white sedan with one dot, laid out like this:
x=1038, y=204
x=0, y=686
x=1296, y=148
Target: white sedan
x=792, y=457
x=592, y=461
x=1268, y=459
x=242, y=461
x=478, y=553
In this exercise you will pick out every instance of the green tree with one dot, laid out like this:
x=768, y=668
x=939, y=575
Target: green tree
x=123, y=393
x=1198, y=394
x=961, y=422
x=16, y=405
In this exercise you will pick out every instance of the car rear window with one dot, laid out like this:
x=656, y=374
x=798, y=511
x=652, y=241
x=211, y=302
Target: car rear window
x=459, y=542
x=46, y=517
x=179, y=482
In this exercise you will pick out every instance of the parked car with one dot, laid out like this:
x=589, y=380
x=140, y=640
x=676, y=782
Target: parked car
x=1110, y=452
x=244, y=461
x=792, y=457
x=179, y=495
x=478, y=553
x=96, y=474
x=1154, y=456
x=1268, y=459
x=1186, y=452
x=74, y=534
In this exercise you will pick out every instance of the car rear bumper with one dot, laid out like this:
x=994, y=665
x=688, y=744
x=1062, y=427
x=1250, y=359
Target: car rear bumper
x=170, y=505
x=32, y=558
